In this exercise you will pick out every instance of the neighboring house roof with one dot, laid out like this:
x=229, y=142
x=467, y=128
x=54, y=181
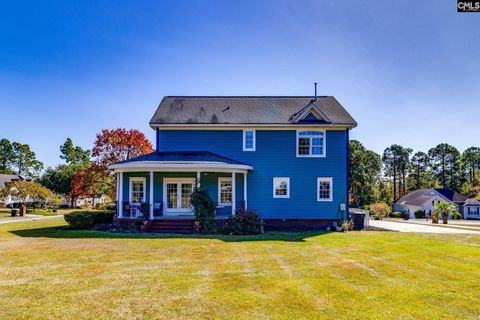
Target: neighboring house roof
x=419, y=197
x=472, y=202
x=6, y=178
x=452, y=195
x=182, y=156
x=251, y=110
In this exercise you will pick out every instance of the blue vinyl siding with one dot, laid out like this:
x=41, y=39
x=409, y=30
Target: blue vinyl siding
x=208, y=181
x=275, y=156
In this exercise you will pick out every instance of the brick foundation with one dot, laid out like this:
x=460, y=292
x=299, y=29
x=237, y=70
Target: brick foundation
x=296, y=224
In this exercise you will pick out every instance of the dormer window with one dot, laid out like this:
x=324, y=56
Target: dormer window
x=311, y=144
x=249, y=140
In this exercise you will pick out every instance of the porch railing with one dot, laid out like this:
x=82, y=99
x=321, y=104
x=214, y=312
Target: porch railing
x=142, y=210
x=138, y=210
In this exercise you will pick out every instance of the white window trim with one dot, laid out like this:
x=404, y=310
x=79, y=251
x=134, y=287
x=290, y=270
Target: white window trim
x=321, y=179
x=254, y=140
x=138, y=179
x=288, y=187
x=220, y=180
x=312, y=155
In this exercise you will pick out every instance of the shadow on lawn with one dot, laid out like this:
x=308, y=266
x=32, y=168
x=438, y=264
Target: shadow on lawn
x=56, y=232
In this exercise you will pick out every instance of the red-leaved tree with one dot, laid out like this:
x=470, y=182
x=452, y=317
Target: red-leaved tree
x=118, y=145
x=113, y=146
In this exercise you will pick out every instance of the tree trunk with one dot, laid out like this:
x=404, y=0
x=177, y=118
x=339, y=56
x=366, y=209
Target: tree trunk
x=443, y=174
x=418, y=177
x=394, y=183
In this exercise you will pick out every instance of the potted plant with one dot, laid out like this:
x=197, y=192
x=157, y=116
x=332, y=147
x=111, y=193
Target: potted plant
x=434, y=217
x=445, y=210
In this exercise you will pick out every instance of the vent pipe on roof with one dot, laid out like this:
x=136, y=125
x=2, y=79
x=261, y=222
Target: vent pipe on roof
x=315, y=98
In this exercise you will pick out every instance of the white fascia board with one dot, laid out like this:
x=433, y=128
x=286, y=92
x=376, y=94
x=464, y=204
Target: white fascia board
x=178, y=166
x=239, y=126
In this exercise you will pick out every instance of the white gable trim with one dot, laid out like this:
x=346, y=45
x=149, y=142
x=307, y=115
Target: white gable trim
x=311, y=109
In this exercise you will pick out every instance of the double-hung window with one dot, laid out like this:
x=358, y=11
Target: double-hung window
x=137, y=189
x=249, y=140
x=311, y=144
x=281, y=187
x=324, y=189
x=225, y=191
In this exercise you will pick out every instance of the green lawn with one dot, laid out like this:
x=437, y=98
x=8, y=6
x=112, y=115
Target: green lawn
x=50, y=274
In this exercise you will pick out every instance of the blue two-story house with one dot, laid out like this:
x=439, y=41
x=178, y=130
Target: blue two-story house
x=285, y=157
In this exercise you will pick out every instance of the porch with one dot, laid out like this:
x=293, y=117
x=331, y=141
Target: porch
x=159, y=185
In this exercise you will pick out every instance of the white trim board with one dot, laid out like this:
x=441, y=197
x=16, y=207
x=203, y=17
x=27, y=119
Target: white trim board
x=222, y=126
x=194, y=166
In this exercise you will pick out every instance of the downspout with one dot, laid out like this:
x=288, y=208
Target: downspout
x=157, y=141
x=348, y=173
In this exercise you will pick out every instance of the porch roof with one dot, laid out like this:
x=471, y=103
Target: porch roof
x=181, y=160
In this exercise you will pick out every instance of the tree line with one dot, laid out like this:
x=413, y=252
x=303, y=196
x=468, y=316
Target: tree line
x=18, y=158
x=398, y=171
x=84, y=172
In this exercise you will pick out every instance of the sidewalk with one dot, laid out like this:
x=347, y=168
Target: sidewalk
x=28, y=217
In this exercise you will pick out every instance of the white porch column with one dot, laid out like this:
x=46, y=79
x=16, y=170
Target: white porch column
x=151, y=195
x=233, y=193
x=198, y=179
x=120, y=194
x=245, y=190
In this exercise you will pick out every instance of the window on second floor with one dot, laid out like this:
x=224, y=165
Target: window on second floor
x=249, y=140
x=311, y=144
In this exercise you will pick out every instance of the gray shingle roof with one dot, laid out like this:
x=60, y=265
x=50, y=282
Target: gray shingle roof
x=6, y=178
x=268, y=110
x=179, y=156
x=419, y=197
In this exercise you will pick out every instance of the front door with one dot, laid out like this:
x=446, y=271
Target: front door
x=177, y=193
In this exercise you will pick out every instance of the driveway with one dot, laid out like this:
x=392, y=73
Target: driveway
x=421, y=228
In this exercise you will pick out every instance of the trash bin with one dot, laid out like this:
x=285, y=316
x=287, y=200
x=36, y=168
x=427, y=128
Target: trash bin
x=358, y=220
x=13, y=213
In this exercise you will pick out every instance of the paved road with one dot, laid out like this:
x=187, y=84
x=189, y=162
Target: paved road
x=411, y=227
x=28, y=217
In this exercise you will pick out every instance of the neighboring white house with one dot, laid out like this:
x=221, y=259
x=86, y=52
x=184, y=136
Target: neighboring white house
x=84, y=202
x=4, y=180
x=426, y=199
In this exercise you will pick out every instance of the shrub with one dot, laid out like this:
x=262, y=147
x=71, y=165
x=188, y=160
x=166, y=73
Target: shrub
x=419, y=214
x=81, y=220
x=346, y=225
x=380, y=210
x=244, y=222
x=100, y=206
x=396, y=214
x=111, y=207
x=203, y=210
x=456, y=215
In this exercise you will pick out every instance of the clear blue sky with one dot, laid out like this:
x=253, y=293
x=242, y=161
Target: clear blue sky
x=408, y=71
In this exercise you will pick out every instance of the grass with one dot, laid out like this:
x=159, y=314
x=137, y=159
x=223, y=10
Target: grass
x=48, y=273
